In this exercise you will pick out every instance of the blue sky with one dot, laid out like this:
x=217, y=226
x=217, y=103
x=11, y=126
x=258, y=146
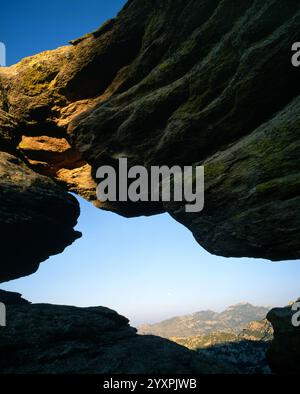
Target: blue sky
x=147, y=269
x=31, y=26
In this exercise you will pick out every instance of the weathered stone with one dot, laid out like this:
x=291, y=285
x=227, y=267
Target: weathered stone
x=68, y=340
x=204, y=82
x=284, y=354
x=165, y=82
x=252, y=189
x=36, y=218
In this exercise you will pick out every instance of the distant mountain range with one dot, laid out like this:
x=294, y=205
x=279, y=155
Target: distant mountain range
x=233, y=320
x=238, y=337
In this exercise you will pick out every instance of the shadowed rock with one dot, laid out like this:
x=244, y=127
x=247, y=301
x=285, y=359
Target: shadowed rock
x=68, y=340
x=9, y=298
x=165, y=82
x=36, y=218
x=284, y=354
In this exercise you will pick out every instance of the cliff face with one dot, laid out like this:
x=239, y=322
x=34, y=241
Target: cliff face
x=172, y=82
x=165, y=82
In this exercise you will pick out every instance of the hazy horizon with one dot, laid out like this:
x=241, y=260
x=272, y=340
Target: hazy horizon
x=155, y=271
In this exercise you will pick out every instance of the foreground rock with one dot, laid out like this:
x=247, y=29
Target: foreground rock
x=186, y=83
x=9, y=298
x=61, y=339
x=284, y=354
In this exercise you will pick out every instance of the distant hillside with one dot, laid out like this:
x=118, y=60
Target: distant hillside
x=244, y=351
x=259, y=331
x=233, y=320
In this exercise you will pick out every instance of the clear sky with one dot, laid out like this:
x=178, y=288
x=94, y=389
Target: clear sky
x=147, y=269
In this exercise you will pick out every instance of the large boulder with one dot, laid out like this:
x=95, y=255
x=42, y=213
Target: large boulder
x=67, y=340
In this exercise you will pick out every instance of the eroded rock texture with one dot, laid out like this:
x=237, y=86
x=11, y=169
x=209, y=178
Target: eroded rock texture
x=68, y=340
x=36, y=218
x=284, y=354
x=165, y=82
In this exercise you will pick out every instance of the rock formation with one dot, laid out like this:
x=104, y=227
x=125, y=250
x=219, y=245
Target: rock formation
x=37, y=218
x=9, y=298
x=204, y=82
x=284, y=354
x=68, y=340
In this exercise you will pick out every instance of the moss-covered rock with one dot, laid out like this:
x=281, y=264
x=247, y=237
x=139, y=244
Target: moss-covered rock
x=176, y=82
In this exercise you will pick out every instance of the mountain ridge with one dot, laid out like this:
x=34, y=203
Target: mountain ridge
x=231, y=320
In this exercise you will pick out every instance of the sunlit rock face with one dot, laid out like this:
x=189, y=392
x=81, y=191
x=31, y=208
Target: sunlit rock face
x=37, y=216
x=165, y=82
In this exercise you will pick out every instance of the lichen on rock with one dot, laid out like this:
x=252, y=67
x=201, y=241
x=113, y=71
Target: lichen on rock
x=204, y=82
